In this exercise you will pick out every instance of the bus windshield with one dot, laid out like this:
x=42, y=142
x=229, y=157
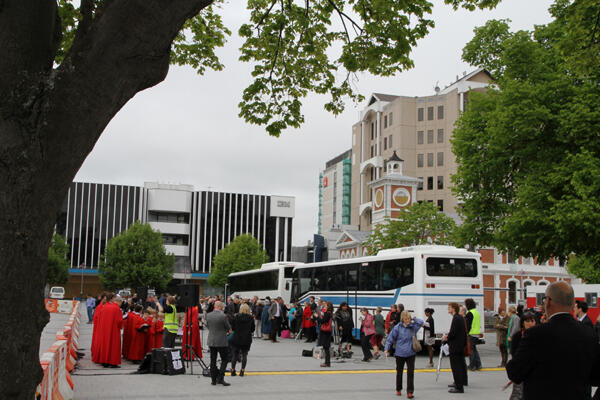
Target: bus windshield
x=456, y=267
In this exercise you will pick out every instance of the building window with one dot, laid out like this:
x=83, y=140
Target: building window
x=429, y=113
x=430, y=183
x=420, y=183
x=430, y=159
x=390, y=141
x=372, y=152
x=385, y=143
x=420, y=114
x=440, y=182
x=372, y=131
x=440, y=112
x=420, y=137
x=390, y=121
x=512, y=292
x=420, y=160
x=385, y=121
x=430, y=136
x=440, y=157
x=440, y=204
x=440, y=136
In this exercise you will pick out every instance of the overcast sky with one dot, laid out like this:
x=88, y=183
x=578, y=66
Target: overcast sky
x=186, y=129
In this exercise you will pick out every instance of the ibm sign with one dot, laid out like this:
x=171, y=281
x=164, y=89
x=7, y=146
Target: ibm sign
x=283, y=206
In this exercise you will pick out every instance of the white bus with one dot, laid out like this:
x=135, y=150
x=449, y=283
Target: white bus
x=271, y=279
x=418, y=277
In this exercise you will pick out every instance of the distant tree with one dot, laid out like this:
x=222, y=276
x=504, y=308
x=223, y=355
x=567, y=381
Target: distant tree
x=527, y=149
x=586, y=267
x=136, y=258
x=421, y=223
x=58, y=262
x=242, y=254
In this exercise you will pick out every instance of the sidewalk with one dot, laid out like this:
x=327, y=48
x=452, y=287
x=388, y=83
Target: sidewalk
x=277, y=370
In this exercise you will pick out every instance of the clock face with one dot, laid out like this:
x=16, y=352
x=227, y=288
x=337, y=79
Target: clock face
x=401, y=197
x=378, y=197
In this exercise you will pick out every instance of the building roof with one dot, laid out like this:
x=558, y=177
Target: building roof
x=359, y=236
x=394, y=157
x=337, y=159
x=381, y=97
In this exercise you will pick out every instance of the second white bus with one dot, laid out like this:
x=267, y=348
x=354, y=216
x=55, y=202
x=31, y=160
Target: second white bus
x=271, y=279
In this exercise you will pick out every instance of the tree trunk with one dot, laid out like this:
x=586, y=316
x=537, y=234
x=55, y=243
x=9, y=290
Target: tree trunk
x=50, y=121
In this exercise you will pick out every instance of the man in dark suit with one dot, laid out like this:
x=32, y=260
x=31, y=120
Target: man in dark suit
x=457, y=340
x=581, y=309
x=218, y=328
x=555, y=359
x=276, y=312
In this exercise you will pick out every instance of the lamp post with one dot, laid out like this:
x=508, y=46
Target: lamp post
x=81, y=287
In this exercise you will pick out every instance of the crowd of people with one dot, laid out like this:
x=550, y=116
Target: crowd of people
x=536, y=346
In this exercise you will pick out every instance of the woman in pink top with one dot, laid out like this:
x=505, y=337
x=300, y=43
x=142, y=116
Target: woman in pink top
x=367, y=330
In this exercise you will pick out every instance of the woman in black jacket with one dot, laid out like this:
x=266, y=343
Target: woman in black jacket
x=242, y=326
x=429, y=334
x=325, y=322
x=345, y=324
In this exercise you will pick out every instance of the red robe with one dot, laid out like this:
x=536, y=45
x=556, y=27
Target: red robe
x=150, y=335
x=111, y=322
x=191, y=315
x=158, y=333
x=137, y=346
x=126, y=335
x=307, y=322
x=95, y=334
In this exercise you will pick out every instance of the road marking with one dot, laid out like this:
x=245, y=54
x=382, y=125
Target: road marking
x=364, y=371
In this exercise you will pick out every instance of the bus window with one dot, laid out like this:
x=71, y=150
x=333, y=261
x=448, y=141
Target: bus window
x=320, y=278
x=397, y=273
x=287, y=272
x=352, y=277
x=337, y=277
x=369, y=277
x=304, y=281
x=460, y=267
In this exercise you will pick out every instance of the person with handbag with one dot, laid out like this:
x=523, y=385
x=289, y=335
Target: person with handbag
x=242, y=326
x=404, y=337
x=458, y=342
x=367, y=330
x=325, y=322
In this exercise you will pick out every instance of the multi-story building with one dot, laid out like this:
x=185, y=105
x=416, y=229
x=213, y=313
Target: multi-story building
x=334, y=192
x=194, y=225
x=419, y=130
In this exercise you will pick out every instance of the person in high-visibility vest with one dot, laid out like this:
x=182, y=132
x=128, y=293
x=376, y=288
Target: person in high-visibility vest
x=473, y=319
x=170, y=325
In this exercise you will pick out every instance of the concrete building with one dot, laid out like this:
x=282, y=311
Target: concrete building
x=418, y=129
x=194, y=225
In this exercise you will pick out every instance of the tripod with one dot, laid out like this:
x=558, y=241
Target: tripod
x=188, y=348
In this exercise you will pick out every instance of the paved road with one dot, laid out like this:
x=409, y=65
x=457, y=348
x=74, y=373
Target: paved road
x=276, y=371
x=56, y=323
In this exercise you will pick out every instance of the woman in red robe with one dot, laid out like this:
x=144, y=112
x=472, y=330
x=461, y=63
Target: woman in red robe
x=148, y=318
x=127, y=333
x=158, y=332
x=111, y=322
x=138, y=331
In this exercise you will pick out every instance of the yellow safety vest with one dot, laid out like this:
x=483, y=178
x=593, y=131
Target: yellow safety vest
x=171, y=320
x=476, y=325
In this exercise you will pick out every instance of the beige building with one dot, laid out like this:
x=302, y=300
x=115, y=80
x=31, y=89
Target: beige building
x=418, y=129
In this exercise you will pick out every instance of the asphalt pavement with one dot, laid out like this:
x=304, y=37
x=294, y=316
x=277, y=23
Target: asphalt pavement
x=277, y=370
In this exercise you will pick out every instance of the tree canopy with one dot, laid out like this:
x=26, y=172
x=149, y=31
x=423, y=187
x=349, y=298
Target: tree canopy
x=136, y=258
x=421, y=223
x=528, y=150
x=241, y=254
x=58, y=261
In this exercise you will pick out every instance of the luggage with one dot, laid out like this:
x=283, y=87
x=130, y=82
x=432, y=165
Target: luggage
x=285, y=334
x=307, y=353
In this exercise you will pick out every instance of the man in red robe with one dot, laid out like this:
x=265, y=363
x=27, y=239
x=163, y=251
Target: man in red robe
x=95, y=330
x=150, y=332
x=158, y=332
x=138, y=331
x=111, y=322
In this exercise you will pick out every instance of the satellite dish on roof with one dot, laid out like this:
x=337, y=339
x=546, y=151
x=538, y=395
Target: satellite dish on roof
x=437, y=87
